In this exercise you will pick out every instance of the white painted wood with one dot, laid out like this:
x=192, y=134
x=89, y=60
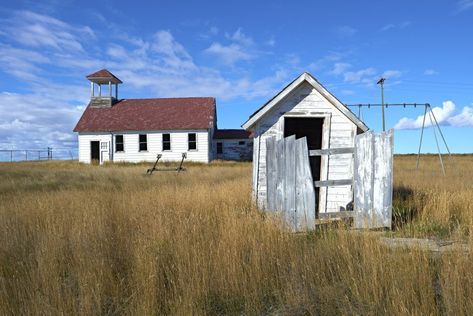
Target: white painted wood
x=272, y=172
x=233, y=150
x=305, y=192
x=255, y=165
x=373, y=180
x=338, y=132
x=289, y=182
x=304, y=78
x=131, y=151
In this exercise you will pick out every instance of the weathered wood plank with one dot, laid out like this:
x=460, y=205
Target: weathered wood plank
x=373, y=180
x=290, y=181
x=343, y=214
x=329, y=183
x=280, y=175
x=382, y=184
x=271, y=173
x=305, y=192
x=331, y=151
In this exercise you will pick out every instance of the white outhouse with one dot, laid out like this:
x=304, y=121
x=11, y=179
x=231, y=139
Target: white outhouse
x=305, y=108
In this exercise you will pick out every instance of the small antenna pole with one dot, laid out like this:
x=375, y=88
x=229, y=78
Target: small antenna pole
x=381, y=83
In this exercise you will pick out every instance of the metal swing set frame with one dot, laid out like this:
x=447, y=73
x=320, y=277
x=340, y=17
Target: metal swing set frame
x=433, y=122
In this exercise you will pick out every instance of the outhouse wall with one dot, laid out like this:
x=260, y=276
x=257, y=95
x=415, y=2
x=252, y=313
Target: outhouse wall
x=338, y=131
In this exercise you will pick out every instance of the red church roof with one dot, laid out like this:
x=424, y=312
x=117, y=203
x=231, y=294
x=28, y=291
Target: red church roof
x=149, y=115
x=104, y=74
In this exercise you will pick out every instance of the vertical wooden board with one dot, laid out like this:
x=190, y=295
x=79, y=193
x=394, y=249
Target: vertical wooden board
x=382, y=188
x=255, y=166
x=373, y=180
x=280, y=175
x=362, y=179
x=388, y=200
x=271, y=171
x=305, y=192
x=290, y=182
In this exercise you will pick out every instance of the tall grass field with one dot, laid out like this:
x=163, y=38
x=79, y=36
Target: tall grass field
x=108, y=240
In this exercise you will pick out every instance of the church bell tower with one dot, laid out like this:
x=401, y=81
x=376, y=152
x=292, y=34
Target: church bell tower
x=103, y=78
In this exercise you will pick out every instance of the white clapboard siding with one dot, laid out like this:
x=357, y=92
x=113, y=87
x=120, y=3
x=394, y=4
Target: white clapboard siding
x=306, y=101
x=131, y=153
x=84, y=145
x=232, y=150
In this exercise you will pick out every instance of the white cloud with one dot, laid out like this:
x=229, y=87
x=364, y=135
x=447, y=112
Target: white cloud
x=32, y=121
x=391, y=74
x=430, y=72
x=405, y=24
x=22, y=63
x=346, y=31
x=229, y=54
x=340, y=68
x=241, y=48
x=240, y=37
x=464, y=119
x=366, y=76
x=271, y=42
x=463, y=5
x=444, y=115
x=37, y=30
x=213, y=30
x=392, y=26
x=387, y=27
x=360, y=76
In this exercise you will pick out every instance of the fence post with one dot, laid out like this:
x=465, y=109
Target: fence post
x=11, y=155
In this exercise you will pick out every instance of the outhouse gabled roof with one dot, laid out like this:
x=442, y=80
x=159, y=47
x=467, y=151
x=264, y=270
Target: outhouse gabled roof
x=304, y=77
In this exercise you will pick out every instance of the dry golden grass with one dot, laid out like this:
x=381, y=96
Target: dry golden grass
x=78, y=239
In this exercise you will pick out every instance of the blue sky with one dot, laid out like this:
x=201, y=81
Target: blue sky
x=241, y=52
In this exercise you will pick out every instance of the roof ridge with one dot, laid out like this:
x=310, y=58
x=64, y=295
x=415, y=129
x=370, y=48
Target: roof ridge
x=167, y=98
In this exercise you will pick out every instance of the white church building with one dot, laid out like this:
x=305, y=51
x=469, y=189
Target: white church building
x=136, y=130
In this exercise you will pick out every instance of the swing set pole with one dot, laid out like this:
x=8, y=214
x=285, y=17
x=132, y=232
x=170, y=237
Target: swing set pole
x=421, y=136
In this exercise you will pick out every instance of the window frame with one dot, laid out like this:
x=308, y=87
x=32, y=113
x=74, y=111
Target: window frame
x=122, y=143
x=163, y=142
x=189, y=142
x=140, y=142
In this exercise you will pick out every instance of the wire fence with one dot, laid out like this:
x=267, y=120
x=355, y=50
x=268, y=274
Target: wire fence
x=49, y=153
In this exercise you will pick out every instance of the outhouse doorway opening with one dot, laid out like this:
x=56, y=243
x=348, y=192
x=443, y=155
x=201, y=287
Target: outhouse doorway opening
x=94, y=151
x=311, y=128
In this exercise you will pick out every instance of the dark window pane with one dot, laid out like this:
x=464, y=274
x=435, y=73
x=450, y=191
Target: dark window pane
x=192, y=143
x=143, y=142
x=119, y=146
x=166, y=142
x=219, y=148
x=242, y=142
